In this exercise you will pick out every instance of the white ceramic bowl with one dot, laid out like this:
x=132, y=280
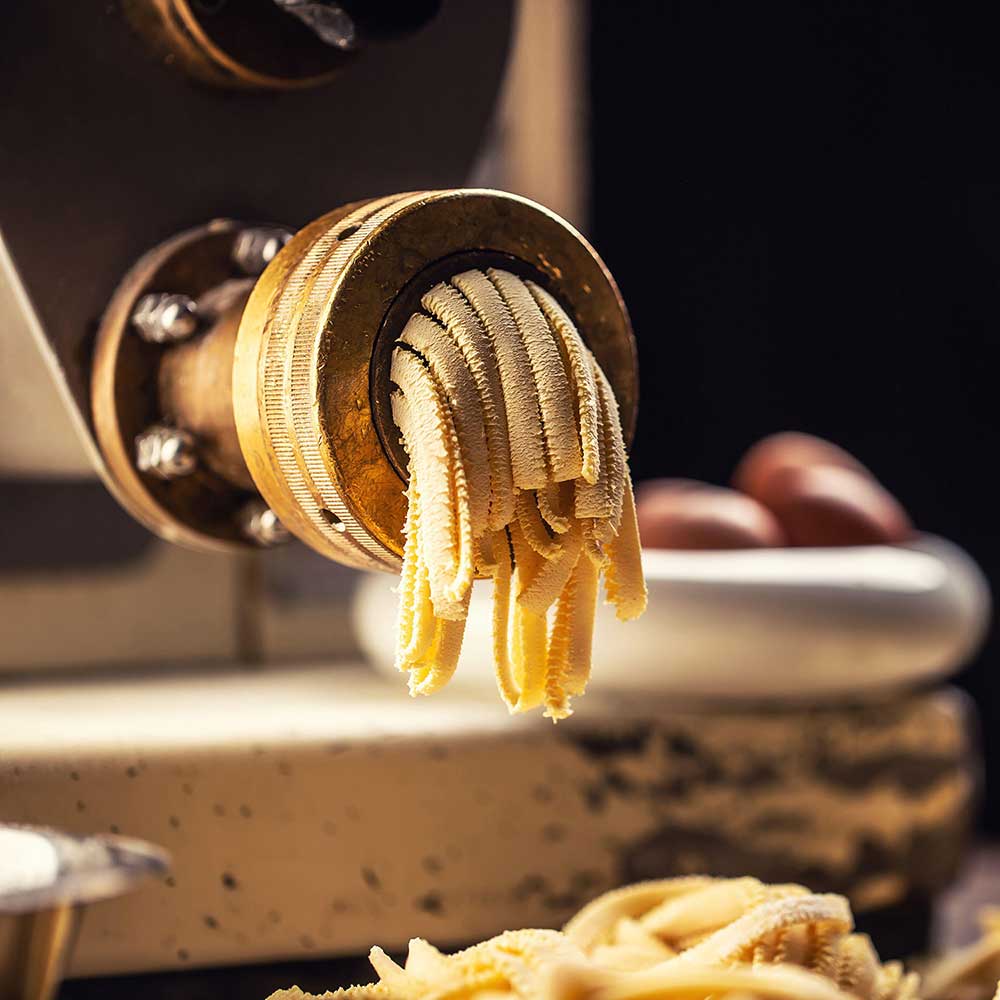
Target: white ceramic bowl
x=774, y=624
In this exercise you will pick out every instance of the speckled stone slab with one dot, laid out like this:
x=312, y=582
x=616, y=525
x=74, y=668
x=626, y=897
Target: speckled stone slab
x=316, y=812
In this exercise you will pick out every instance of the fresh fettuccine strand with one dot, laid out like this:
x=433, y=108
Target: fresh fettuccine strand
x=560, y=426
x=450, y=307
x=689, y=938
x=517, y=472
x=425, y=420
x=520, y=395
x=506, y=684
x=584, y=385
x=447, y=363
x=580, y=626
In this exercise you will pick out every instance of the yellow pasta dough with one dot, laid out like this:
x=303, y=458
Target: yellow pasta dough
x=517, y=472
x=694, y=938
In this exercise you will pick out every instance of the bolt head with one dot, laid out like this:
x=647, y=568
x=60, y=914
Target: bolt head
x=165, y=318
x=261, y=525
x=255, y=248
x=166, y=452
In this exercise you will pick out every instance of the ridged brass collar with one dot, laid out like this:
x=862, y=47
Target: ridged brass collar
x=310, y=383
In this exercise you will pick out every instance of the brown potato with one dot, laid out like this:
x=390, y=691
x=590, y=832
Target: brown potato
x=684, y=514
x=789, y=449
x=834, y=505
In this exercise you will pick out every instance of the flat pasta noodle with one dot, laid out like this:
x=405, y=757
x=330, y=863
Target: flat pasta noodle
x=441, y=658
x=506, y=684
x=411, y=561
x=557, y=663
x=560, y=425
x=611, y=427
x=421, y=415
x=450, y=307
x=424, y=623
x=524, y=420
x=594, y=500
x=552, y=575
x=527, y=562
x=554, y=504
x=584, y=384
x=533, y=525
x=690, y=938
x=530, y=657
x=517, y=472
x=626, y=586
x=447, y=363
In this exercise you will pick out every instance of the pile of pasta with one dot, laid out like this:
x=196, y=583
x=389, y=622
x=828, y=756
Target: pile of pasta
x=517, y=472
x=684, y=939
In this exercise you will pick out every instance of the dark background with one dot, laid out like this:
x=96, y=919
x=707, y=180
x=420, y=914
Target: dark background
x=801, y=203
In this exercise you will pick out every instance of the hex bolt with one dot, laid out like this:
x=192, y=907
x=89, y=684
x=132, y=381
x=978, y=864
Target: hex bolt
x=166, y=452
x=261, y=525
x=165, y=318
x=255, y=248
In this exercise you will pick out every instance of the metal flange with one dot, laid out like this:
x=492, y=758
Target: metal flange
x=161, y=399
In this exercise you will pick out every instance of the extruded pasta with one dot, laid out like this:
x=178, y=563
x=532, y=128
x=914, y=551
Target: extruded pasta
x=517, y=472
x=694, y=938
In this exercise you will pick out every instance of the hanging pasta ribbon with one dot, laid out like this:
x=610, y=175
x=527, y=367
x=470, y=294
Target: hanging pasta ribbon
x=518, y=472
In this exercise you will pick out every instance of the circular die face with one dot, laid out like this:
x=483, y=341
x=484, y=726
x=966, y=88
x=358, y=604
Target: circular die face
x=311, y=377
